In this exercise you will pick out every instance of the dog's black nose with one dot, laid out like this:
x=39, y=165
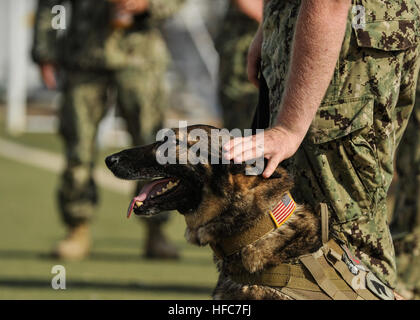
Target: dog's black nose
x=112, y=161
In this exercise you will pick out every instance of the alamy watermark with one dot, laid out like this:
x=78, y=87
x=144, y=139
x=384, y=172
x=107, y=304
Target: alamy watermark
x=58, y=282
x=58, y=22
x=198, y=146
x=359, y=17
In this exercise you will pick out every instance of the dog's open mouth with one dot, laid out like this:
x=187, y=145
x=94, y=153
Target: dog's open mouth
x=169, y=187
x=152, y=193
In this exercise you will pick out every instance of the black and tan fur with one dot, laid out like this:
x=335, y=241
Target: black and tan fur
x=219, y=201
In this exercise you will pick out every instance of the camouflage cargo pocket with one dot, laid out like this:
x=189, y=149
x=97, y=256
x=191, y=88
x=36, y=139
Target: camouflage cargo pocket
x=393, y=35
x=343, y=136
x=336, y=119
x=386, y=25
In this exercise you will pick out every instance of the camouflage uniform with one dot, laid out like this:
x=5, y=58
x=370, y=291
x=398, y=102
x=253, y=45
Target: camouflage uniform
x=237, y=95
x=346, y=159
x=405, y=227
x=97, y=58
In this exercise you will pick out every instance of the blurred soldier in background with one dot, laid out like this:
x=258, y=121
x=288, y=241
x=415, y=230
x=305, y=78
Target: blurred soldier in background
x=109, y=47
x=405, y=226
x=238, y=96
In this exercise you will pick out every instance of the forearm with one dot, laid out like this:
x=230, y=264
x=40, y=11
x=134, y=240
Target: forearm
x=317, y=43
x=251, y=8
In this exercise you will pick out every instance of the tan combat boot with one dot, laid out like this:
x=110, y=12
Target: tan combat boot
x=76, y=245
x=157, y=245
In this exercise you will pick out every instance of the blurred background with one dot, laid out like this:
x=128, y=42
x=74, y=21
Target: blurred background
x=32, y=158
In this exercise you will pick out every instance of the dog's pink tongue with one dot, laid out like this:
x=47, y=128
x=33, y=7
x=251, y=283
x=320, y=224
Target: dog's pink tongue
x=130, y=208
x=147, y=189
x=144, y=193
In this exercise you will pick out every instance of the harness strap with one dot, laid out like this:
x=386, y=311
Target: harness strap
x=287, y=275
x=333, y=254
x=324, y=222
x=283, y=275
x=322, y=279
x=323, y=274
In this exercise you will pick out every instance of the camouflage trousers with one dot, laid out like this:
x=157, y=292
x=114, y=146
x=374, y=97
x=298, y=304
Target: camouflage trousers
x=346, y=159
x=405, y=226
x=238, y=96
x=140, y=99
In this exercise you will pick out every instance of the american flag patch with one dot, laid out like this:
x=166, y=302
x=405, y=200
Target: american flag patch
x=283, y=210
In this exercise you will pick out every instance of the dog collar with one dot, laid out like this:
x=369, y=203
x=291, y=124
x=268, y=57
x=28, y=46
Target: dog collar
x=276, y=217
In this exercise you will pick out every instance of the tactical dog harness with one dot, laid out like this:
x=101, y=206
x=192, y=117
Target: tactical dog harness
x=332, y=272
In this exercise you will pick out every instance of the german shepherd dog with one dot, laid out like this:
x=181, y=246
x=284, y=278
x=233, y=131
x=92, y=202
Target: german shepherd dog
x=219, y=201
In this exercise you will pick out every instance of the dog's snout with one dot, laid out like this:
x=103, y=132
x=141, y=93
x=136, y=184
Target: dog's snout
x=112, y=161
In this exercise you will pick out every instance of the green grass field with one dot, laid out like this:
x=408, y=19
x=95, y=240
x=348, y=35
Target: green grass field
x=30, y=226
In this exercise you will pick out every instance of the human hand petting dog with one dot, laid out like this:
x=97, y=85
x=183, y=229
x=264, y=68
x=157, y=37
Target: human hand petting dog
x=275, y=144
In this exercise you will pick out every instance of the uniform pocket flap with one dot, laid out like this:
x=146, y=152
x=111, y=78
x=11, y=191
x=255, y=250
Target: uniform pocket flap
x=388, y=35
x=340, y=118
